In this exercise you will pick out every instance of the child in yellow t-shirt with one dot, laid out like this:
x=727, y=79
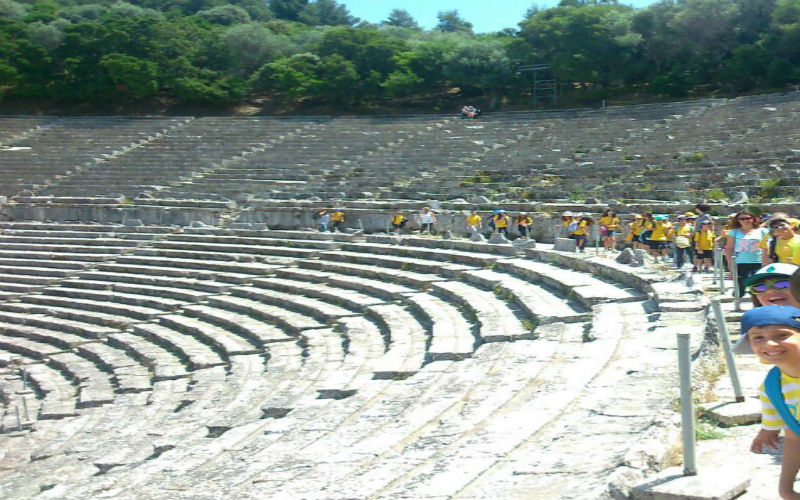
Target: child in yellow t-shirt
x=398, y=221
x=704, y=246
x=473, y=222
x=609, y=228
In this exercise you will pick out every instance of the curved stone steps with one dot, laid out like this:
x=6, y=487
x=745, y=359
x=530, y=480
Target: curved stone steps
x=187, y=456
x=58, y=394
x=233, y=271
x=142, y=307
x=224, y=251
x=349, y=299
x=469, y=258
x=254, y=240
x=163, y=363
x=162, y=271
x=176, y=295
x=452, y=335
x=65, y=310
x=406, y=339
x=269, y=313
x=504, y=409
x=379, y=288
x=367, y=270
x=72, y=257
x=540, y=304
x=226, y=343
x=374, y=433
x=126, y=276
x=45, y=241
x=94, y=386
x=589, y=414
x=581, y=286
x=417, y=265
x=127, y=374
x=254, y=331
x=498, y=322
x=45, y=321
x=315, y=308
x=191, y=351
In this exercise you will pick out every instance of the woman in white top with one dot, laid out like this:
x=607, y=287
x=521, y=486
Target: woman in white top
x=427, y=218
x=743, y=242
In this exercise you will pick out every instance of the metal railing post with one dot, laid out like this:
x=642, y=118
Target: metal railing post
x=721, y=272
x=687, y=406
x=715, y=269
x=726, y=347
x=737, y=293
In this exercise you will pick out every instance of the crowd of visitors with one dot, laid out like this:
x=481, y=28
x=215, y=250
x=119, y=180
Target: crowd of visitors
x=687, y=238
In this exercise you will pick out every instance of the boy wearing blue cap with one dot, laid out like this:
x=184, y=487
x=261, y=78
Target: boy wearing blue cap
x=773, y=334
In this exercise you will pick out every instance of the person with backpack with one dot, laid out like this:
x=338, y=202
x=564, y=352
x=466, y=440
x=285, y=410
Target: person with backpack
x=683, y=241
x=501, y=221
x=338, y=219
x=581, y=231
x=524, y=223
x=398, y=222
x=773, y=334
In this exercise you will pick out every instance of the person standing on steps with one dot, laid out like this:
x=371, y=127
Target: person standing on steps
x=323, y=219
x=683, y=241
x=524, y=223
x=742, y=241
x=609, y=228
x=398, y=222
x=427, y=218
x=338, y=219
x=473, y=222
x=501, y=221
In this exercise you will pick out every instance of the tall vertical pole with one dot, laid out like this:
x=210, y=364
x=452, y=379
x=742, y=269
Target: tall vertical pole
x=737, y=293
x=687, y=406
x=726, y=347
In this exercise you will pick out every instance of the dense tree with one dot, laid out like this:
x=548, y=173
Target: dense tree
x=250, y=46
x=326, y=13
x=288, y=9
x=480, y=64
x=401, y=18
x=225, y=14
x=12, y=10
x=451, y=22
x=587, y=43
x=102, y=51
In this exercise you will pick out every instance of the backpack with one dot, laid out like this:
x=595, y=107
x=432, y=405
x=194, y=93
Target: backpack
x=772, y=386
x=573, y=226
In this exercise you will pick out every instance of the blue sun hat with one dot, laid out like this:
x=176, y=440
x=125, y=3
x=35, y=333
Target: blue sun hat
x=766, y=315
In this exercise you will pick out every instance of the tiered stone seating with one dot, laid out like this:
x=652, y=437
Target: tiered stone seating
x=70, y=145
x=192, y=355
x=330, y=164
x=200, y=144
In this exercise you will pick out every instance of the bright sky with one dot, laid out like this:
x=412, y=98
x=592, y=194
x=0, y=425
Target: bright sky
x=485, y=16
